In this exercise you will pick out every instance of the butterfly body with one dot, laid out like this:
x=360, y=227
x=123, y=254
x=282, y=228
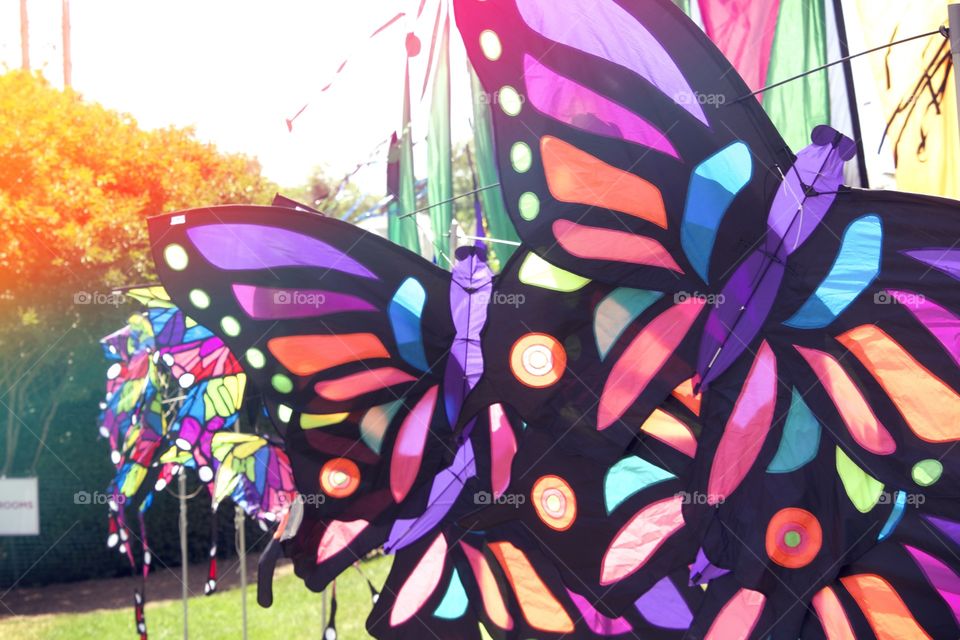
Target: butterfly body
x=800, y=204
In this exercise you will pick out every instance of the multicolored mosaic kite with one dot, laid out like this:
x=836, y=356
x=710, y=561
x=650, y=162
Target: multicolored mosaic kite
x=132, y=419
x=713, y=395
x=174, y=393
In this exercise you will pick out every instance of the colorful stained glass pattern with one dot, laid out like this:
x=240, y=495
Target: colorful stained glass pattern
x=174, y=393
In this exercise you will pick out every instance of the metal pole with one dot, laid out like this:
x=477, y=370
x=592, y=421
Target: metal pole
x=24, y=37
x=323, y=609
x=67, y=62
x=182, y=486
x=953, y=16
x=454, y=230
x=238, y=523
x=242, y=553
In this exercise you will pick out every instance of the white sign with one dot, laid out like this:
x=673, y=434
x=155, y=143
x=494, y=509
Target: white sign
x=19, y=507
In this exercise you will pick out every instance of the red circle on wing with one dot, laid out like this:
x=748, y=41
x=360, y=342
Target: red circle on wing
x=339, y=477
x=797, y=521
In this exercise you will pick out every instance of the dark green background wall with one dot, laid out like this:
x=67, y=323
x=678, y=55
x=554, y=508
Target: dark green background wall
x=72, y=541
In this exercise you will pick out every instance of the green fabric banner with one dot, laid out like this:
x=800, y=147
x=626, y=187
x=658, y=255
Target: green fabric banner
x=439, y=155
x=402, y=230
x=498, y=220
x=800, y=44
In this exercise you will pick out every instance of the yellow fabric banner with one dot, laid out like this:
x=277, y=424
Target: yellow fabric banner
x=916, y=88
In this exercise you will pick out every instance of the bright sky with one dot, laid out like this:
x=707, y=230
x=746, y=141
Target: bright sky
x=237, y=69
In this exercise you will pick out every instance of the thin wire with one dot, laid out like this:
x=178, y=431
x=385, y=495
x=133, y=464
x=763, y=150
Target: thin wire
x=428, y=232
x=188, y=497
x=489, y=239
x=835, y=62
x=456, y=197
x=371, y=158
x=128, y=287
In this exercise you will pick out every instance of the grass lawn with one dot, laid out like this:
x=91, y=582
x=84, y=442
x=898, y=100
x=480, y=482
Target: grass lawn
x=295, y=614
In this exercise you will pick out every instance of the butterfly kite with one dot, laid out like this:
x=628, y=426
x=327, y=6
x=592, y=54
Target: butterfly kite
x=713, y=395
x=154, y=347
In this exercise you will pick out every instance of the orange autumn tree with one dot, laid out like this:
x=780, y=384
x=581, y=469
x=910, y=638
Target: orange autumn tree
x=76, y=183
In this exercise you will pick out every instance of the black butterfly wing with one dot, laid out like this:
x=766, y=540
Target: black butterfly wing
x=623, y=151
x=905, y=586
x=309, y=318
x=846, y=397
x=578, y=357
x=608, y=532
x=348, y=338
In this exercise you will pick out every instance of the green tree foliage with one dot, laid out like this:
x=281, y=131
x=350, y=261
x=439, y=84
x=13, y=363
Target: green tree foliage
x=77, y=181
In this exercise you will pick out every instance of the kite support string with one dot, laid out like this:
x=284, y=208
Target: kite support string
x=448, y=200
x=834, y=63
x=512, y=243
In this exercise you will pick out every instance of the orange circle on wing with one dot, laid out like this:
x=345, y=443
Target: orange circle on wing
x=793, y=521
x=554, y=502
x=537, y=360
x=339, y=477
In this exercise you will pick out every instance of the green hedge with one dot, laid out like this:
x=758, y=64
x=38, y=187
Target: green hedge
x=72, y=541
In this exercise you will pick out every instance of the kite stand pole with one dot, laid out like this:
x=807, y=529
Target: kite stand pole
x=241, y=540
x=953, y=17
x=242, y=553
x=323, y=609
x=182, y=486
x=454, y=232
